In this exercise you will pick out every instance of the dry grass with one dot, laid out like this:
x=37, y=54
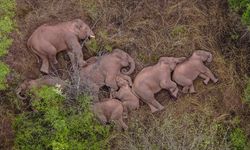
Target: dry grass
x=148, y=29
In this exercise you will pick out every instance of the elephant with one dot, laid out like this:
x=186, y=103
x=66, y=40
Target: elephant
x=186, y=72
x=110, y=110
x=104, y=71
x=125, y=94
x=38, y=83
x=47, y=40
x=154, y=78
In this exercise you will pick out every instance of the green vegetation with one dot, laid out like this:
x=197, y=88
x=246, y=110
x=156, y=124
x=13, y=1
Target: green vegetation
x=238, y=139
x=242, y=7
x=7, y=12
x=247, y=93
x=56, y=125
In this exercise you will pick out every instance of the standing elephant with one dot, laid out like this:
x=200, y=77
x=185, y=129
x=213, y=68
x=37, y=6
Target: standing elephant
x=125, y=94
x=110, y=110
x=38, y=83
x=154, y=78
x=104, y=71
x=186, y=72
x=47, y=40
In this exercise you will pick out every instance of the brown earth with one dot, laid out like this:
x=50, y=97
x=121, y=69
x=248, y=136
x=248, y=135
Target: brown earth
x=148, y=29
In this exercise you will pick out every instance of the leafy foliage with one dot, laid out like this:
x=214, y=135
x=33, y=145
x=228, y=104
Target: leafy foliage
x=55, y=125
x=247, y=92
x=242, y=7
x=7, y=25
x=238, y=139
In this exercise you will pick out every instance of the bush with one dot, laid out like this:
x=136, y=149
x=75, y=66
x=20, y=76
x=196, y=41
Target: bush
x=243, y=8
x=238, y=139
x=56, y=125
x=247, y=92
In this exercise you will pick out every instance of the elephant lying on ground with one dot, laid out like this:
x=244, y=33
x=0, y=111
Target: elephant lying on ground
x=105, y=70
x=186, y=72
x=154, y=78
x=38, y=83
x=110, y=110
x=125, y=94
x=47, y=40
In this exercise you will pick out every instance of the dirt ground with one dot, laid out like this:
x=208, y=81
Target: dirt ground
x=147, y=30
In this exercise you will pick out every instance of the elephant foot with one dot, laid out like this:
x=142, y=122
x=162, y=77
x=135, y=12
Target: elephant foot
x=192, y=92
x=45, y=71
x=216, y=80
x=206, y=81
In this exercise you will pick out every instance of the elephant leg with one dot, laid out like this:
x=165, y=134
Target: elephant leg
x=45, y=64
x=153, y=103
x=191, y=89
x=72, y=60
x=208, y=73
x=206, y=78
x=121, y=123
x=102, y=118
x=111, y=82
x=171, y=86
x=185, y=89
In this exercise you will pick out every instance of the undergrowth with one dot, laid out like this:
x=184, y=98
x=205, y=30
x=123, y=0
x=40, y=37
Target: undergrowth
x=56, y=125
x=7, y=13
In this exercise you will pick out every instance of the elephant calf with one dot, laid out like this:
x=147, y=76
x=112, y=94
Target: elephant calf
x=186, y=72
x=110, y=110
x=47, y=40
x=125, y=94
x=154, y=78
x=38, y=83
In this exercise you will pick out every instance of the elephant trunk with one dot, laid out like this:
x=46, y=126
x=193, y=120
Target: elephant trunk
x=18, y=94
x=210, y=57
x=132, y=66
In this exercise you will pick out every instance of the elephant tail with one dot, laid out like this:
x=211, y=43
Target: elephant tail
x=133, y=91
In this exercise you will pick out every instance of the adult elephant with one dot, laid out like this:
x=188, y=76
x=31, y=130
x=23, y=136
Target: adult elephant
x=47, y=40
x=104, y=70
x=185, y=73
x=154, y=78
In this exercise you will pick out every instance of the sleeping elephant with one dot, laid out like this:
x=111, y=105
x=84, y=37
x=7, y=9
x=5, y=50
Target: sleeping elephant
x=38, y=83
x=47, y=40
x=186, y=72
x=104, y=71
x=110, y=110
x=154, y=78
x=125, y=94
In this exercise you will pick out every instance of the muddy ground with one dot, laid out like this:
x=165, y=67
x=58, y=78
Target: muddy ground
x=148, y=29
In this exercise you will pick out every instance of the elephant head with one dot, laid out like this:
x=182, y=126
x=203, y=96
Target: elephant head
x=203, y=55
x=171, y=61
x=125, y=61
x=82, y=30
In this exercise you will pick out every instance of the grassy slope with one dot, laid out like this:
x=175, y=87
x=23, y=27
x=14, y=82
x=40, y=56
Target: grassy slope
x=147, y=30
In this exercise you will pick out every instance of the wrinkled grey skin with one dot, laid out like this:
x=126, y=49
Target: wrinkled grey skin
x=125, y=94
x=104, y=71
x=47, y=40
x=38, y=83
x=110, y=110
x=154, y=78
x=185, y=73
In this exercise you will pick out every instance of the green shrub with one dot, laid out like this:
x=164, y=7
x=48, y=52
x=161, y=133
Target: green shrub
x=238, y=139
x=243, y=8
x=58, y=125
x=4, y=70
x=247, y=93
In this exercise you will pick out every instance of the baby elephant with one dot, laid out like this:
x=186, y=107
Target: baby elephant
x=125, y=94
x=47, y=40
x=110, y=110
x=154, y=78
x=186, y=72
x=38, y=83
